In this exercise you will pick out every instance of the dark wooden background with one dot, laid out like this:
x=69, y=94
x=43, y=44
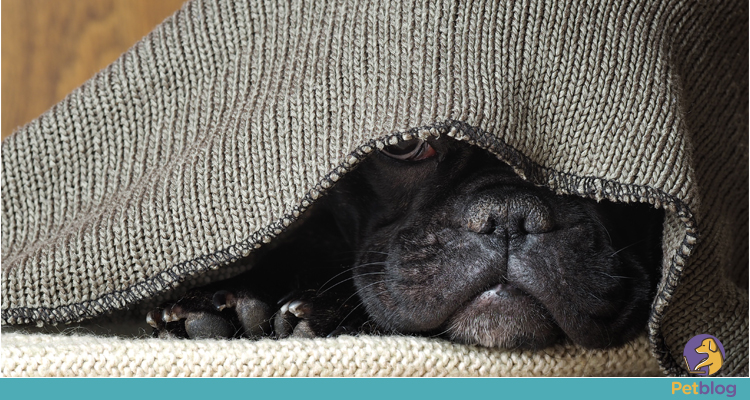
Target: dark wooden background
x=50, y=47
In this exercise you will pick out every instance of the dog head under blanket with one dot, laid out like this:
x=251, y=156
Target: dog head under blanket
x=223, y=125
x=449, y=239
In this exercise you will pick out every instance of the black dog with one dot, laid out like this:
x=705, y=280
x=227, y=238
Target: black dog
x=440, y=238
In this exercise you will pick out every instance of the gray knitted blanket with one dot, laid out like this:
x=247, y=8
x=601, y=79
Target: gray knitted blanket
x=212, y=134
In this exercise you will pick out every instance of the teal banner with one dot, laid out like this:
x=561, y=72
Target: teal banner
x=374, y=388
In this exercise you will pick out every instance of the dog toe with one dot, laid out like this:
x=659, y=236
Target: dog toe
x=254, y=315
x=284, y=322
x=204, y=325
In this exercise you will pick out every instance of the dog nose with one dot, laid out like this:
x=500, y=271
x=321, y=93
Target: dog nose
x=510, y=214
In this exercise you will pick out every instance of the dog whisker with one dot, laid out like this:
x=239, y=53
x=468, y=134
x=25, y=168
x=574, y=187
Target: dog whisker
x=449, y=329
x=605, y=229
x=358, y=292
x=376, y=252
x=615, y=277
x=350, y=313
x=627, y=247
x=350, y=269
x=349, y=279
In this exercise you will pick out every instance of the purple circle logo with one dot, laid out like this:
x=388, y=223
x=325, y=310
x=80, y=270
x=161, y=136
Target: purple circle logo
x=704, y=355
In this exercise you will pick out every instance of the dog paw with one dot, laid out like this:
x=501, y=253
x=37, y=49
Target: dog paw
x=307, y=314
x=221, y=314
x=239, y=313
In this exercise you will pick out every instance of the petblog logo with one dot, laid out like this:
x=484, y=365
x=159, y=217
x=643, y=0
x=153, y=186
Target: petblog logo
x=704, y=355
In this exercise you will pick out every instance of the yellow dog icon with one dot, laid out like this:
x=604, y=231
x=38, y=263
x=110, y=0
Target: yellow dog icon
x=714, y=360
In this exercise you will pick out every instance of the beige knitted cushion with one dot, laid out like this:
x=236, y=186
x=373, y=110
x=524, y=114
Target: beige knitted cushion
x=214, y=132
x=85, y=355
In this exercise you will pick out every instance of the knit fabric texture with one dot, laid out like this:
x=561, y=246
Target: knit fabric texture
x=212, y=134
x=84, y=355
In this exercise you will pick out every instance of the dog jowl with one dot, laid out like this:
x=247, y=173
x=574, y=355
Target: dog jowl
x=440, y=238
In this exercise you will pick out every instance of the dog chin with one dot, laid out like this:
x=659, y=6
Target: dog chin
x=503, y=316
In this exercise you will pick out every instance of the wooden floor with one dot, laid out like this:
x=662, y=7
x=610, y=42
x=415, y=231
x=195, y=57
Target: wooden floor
x=50, y=47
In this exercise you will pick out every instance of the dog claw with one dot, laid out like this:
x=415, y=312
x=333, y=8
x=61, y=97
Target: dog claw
x=224, y=299
x=154, y=319
x=173, y=314
x=299, y=308
x=162, y=328
x=287, y=298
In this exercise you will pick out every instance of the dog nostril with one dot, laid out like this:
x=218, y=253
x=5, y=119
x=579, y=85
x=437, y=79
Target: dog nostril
x=480, y=225
x=515, y=215
x=521, y=227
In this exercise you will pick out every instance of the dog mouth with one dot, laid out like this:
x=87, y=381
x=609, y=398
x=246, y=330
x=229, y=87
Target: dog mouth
x=440, y=282
x=488, y=291
x=500, y=314
x=501, y=290
x=505, y=316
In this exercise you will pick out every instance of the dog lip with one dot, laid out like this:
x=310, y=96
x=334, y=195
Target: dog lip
x=500, y=295
x=504, y=290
